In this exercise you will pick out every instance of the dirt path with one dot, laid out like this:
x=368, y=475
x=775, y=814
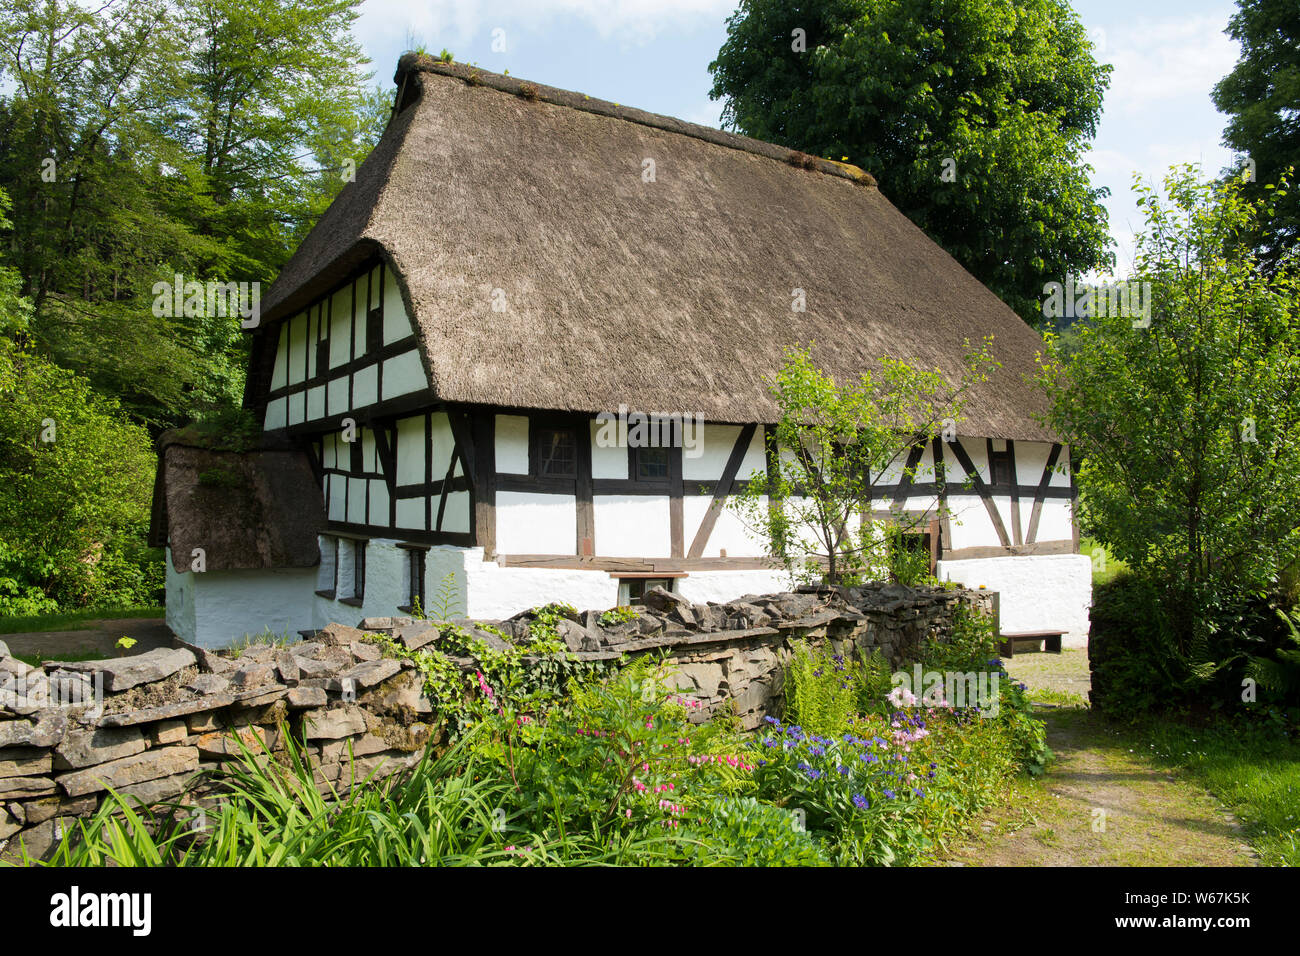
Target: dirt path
x=1100, y=803
x=98, y=638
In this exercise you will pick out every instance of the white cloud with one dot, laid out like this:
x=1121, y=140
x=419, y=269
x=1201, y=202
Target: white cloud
x=1157, y=61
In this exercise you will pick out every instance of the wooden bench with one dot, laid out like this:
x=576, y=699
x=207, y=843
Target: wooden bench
x=1050, y=640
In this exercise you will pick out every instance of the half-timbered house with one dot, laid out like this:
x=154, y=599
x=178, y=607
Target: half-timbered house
x=513, y=262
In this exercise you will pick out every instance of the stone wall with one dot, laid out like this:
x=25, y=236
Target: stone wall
x=150, y=725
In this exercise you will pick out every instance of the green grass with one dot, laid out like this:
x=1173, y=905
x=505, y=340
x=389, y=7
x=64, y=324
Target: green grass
x=1104, y=568
x=267, y=637
x=1060, y=698
x=36, y=660
x=1252, y=768
x=67, y=621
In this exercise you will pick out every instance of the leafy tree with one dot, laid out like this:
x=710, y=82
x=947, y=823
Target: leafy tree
x=970, y=113
x=1189, y=429
x=272, y=91
x=832, y=446
x=1262, y=99
x=74, y=502
x=15, y=310
x=106, y=204
x=142, y=139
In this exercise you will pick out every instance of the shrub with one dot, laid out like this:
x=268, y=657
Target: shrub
x=623, y=752
x=970, y=645
x=76, y=479
x=824, y=689
x=1130, y=650
x=744, y=832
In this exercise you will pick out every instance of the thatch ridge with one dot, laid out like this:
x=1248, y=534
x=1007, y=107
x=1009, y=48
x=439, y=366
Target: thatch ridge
x=473, y=75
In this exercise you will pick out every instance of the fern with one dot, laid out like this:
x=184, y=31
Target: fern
x=446, y=602
x=821, y=691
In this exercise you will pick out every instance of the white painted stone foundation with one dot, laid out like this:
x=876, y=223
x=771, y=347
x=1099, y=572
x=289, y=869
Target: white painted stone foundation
x=218, y=608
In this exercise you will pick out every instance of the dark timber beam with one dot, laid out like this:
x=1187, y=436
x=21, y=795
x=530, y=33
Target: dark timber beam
x=1040, y=494
x=583, y=491
x=483, y=479
x=982, y=489
x=720, y=493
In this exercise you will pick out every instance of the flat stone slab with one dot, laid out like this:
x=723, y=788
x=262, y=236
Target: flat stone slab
x=86, y=748
x=301, y=698
x=367, y=674
x=25, y=762
x=333, y=724
x=417, y=635
x=151, y=765
x=123, y=673
x=23, y=787
x=167, y=711
x=46, y=731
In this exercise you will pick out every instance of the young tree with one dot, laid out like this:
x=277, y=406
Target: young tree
x=1189, y=428
x=833, y=446
x=972, y=114
x=1262, y=99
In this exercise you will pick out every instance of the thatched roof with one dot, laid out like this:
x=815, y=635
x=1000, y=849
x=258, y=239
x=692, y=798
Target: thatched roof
x=246, y=510
x=670, y=296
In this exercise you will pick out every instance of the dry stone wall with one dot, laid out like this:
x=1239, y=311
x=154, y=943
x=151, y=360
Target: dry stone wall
x=159, y=726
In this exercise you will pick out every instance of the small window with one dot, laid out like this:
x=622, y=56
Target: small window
x=351, y=571
x=556, y=451
x=327, y=575
x=413, y=562
x=649, y=464
x=918, y=548
x=632, y=590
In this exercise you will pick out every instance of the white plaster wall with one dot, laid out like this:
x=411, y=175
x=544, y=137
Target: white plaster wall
x=444, y=443
x=411, y=450
x=713, y=449
x=385, y=589
x=607, y=460
x=970, y=523
x=722, y=586
x=404, y=374
x=632, y=526
x=536, y=523
x=493, y=592
x=1054, y=521
x=456, y=516
x=511, y=440
x=729, y=532
x=226, y=605
x=1038, y=592
x=396, y=325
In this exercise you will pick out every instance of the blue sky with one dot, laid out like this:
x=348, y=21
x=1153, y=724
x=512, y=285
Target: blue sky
x=654, y=54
